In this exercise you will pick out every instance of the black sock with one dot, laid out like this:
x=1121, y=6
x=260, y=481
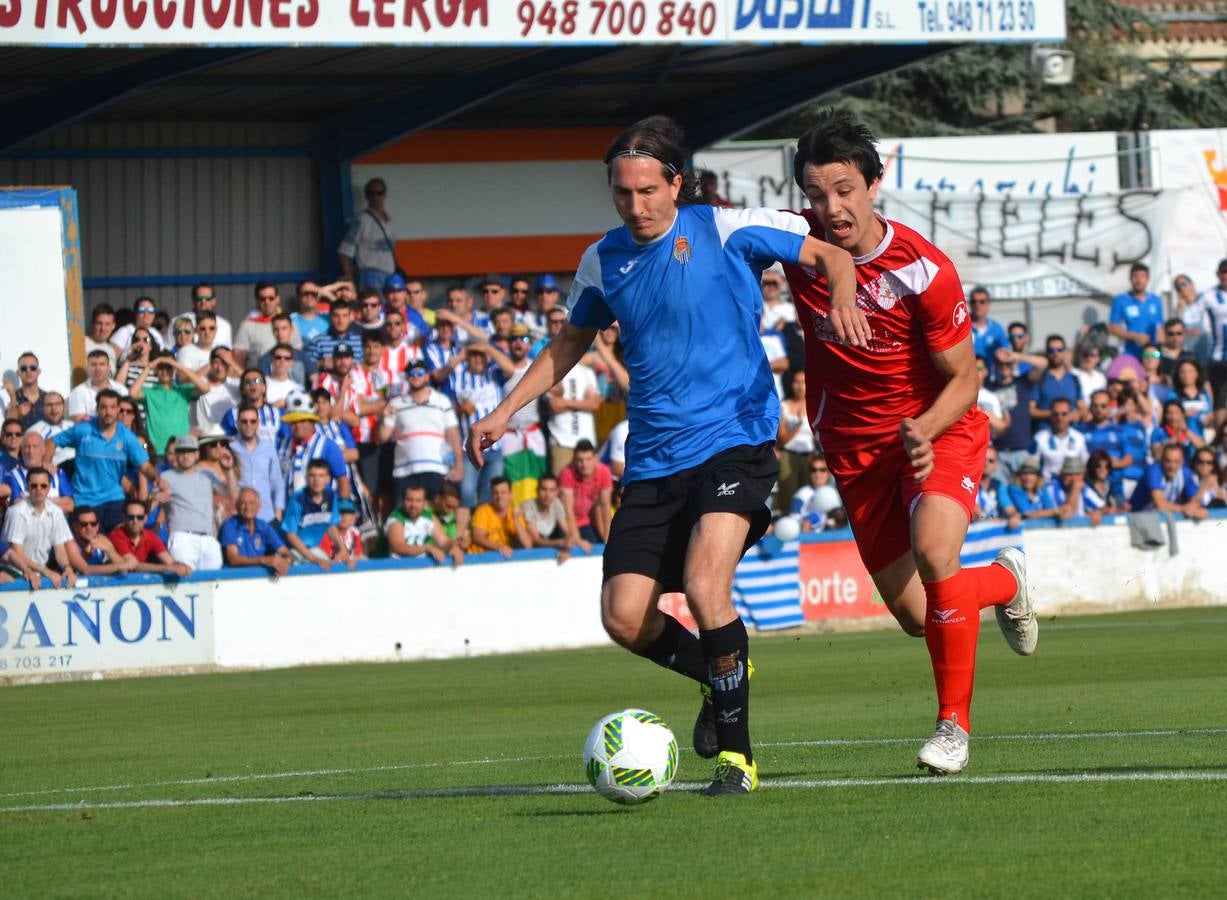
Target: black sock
x=727, y=650
x=677, y=649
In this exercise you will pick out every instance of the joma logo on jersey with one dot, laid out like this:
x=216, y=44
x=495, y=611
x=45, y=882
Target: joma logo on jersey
x=681, y=250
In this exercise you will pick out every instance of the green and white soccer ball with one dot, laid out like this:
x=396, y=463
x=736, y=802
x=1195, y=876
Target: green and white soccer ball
x=630, y=756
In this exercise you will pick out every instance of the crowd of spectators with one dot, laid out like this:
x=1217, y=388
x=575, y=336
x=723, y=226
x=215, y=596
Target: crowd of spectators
x=318, y=435
x=333, y=431
x=1129, y=417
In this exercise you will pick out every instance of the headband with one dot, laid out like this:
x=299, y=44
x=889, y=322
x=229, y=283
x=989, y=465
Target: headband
x=672, y=170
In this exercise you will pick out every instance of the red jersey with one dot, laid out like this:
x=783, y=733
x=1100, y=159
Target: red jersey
x=913, y=299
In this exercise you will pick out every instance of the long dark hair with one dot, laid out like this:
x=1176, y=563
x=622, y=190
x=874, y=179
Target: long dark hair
x=662, y=139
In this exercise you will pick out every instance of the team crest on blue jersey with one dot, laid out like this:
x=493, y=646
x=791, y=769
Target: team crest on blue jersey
x=681, y=250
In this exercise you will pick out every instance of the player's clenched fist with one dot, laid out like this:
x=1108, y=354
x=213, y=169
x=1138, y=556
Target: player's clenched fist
x=919, y=449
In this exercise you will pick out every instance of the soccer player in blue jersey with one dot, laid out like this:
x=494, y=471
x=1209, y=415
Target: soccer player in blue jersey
x=682, y=280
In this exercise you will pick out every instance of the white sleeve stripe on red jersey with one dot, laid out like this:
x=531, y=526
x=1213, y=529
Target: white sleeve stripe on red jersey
x=917, y=276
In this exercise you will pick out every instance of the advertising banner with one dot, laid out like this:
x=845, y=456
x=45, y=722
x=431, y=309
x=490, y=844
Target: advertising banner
x=148, y=626
x=519, y=22
x=1192, y=166
x=834, y=583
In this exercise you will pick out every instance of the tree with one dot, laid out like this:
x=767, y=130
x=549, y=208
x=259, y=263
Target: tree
x=989, y=89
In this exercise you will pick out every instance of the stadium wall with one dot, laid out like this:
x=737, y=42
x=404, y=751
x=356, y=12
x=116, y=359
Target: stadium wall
x=393, y=610
x=162, y=203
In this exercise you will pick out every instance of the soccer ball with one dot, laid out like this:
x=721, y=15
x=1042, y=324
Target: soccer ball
x=630, y=756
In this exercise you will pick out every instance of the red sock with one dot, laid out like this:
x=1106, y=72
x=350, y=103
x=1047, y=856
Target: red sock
x=952, y=625
x=993, y=585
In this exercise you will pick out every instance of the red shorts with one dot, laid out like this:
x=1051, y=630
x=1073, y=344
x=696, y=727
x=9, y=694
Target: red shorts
x=879, y=493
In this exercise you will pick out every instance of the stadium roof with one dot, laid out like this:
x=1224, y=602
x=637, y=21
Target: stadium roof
x=357, y=99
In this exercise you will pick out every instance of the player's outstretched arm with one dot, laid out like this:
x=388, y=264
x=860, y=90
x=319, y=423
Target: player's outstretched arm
x=835, y=263
x=556, y=359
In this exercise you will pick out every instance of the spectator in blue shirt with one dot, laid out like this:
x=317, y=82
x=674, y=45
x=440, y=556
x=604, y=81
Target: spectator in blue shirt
x=1019, y=352
x=987, y=335
x=1169, y=486
x=1134, y=430
x=1106, y=436
x=310, y=514
x=1136, y=315
x=105, y=450
x=1058, y=381
x=1027, y=497
x=1016, y=396
x=248, y=540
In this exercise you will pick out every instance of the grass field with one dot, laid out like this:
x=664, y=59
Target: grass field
x=1099, y=768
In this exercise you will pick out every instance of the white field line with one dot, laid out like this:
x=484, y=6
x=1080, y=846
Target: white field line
x=489, y=761
x=1191, y=775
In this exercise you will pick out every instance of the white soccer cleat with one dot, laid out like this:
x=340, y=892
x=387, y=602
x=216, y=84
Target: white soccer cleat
x=947, y=752
x=1017, y=618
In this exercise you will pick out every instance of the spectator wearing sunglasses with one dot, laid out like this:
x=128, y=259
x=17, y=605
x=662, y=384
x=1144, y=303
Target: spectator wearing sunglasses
x=1211, y=492
x=27, y=399
x=367, y=253
x=144, y=310
x=987, y=335
x=204, y=300
x=1057, y=381
x=90, y=552
x=143, y=549
x=38, y=532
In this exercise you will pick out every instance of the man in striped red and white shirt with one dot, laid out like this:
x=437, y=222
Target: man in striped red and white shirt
x=399, y=352
x=359, y=393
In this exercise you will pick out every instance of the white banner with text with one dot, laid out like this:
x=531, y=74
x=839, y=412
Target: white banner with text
x=515, y=22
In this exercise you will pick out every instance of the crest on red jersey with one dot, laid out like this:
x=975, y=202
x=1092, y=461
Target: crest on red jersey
x=681, y=250
x=960, y=313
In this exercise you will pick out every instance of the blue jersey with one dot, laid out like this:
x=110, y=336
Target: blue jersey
x=987, y=341
x=1138, y=316
x=689, y=306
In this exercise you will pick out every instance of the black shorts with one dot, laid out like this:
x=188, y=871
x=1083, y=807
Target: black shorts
x=651, y=532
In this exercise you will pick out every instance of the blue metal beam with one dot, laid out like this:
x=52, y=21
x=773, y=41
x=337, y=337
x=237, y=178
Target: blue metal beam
x=30, y=116
x=774, y=94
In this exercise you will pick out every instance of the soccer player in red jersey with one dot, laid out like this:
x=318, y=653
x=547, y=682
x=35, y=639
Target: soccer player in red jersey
x=898, y=422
